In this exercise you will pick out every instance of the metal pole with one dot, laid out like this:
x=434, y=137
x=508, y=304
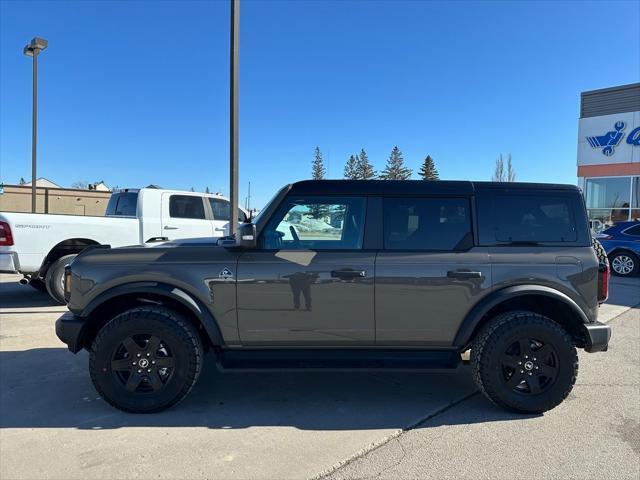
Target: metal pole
x=233, y=113
x=34, y=132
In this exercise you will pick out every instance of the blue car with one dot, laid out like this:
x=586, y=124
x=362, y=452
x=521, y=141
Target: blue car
x=622, y=244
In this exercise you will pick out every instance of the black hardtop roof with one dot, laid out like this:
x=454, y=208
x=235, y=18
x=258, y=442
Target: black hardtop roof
x=414, y=187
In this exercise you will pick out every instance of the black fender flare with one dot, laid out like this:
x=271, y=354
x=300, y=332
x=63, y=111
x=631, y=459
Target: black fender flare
x=473, y=318
x=189, y=301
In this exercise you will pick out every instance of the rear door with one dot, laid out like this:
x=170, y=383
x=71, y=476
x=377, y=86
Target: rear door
x=429, y=274
x=184, y=216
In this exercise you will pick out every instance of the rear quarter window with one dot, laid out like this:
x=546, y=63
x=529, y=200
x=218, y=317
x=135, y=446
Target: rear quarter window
x=508, y=218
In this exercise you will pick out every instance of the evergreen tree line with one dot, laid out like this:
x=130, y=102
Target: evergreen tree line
x=358, y=167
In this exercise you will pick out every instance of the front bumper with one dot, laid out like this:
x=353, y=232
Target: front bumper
x=597, y=336
x=69, y=328
x=9, y=262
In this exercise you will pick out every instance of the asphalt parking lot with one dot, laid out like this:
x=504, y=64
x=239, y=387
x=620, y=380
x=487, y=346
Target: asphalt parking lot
x=310, y=424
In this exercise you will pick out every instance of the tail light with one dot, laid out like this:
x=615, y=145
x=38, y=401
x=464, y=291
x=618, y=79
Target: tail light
x=6, y=239
x=603, y=282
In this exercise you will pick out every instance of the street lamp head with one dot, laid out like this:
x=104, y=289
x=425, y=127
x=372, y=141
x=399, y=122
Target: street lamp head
x=35, y=46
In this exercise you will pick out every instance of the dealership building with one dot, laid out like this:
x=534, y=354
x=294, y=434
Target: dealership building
x=609, y=154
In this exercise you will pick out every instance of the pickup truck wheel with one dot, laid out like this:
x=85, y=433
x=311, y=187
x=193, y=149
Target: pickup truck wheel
x=54, y=279
x=146, y=359
x=524, y=362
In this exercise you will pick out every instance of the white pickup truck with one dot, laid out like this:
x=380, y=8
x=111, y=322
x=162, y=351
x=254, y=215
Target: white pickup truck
x=40, y=245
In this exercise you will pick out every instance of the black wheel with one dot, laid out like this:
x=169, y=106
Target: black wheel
x=38, y=284
x=524, y=362
x=145, y=359
x=624, y=264
x=54, y=279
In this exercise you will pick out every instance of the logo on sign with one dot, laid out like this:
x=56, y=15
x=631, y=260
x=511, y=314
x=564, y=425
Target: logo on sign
x=610, y=140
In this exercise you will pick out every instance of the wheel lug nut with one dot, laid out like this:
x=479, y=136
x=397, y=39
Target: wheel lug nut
x=139, y=371
x=519, y=363
x=534, y=359
x=138, y=355
x=530, y=373
x=133, y=363
x=148, y=355
x=149, y=371
x=521, y=371
x=536, y=368
x=153, y=362
x=524, y=356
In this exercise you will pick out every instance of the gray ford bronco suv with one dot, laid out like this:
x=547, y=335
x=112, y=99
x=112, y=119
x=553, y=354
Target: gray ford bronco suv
x=353, y=274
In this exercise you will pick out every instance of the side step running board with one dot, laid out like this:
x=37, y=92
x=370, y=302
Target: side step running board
x=339, y=359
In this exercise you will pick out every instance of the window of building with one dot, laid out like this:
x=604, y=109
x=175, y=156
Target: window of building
x=611, y=200
x=441, y=224
x=186, y=206
x=316, y=223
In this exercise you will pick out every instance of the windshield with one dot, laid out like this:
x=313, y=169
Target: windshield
x=258, y=217
x=123, y=204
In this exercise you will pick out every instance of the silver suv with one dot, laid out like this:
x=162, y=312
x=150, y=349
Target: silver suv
x=357, y=274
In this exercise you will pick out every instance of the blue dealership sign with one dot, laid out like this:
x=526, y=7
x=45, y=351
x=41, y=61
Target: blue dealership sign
x=609, y=140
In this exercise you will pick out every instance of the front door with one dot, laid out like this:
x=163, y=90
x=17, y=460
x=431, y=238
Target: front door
x=429, y=273
x=184, y=216
x=309, y=282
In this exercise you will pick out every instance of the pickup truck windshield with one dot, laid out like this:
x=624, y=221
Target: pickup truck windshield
x=123, y=204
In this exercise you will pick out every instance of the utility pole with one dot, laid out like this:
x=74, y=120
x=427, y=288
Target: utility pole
x=32, y=49
x=233, y=114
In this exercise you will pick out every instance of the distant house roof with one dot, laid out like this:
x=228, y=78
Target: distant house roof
x=100, y=186
x=44, y=182
x=154, y=186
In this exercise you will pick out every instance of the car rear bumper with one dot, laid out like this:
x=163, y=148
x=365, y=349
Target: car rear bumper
x=9, y=262
x=69, y=329
x=597, y=336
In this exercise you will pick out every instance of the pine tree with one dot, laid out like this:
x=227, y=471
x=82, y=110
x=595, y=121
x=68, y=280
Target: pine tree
x=192, y=190
x=428, y=170
x=395, y=169
x=364, y=170
x=351, y=168
x=318, y=171
x=22, y=181
x=206, y=190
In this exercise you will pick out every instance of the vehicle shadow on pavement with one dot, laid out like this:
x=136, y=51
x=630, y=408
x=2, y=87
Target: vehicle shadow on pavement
x=13, y=295
x=50, y=387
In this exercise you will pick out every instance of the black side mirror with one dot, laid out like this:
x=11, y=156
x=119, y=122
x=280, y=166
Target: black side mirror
x=247, y=236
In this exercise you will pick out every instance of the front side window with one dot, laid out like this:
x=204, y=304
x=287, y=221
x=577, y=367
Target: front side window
x=186, y=206
x=316, y=223
x=221, y=210
x=439, y=224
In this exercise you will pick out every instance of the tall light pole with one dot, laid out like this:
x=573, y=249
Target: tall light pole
x=33, y=49
x=233, y=114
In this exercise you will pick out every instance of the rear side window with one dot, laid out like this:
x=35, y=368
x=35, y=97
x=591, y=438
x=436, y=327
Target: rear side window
x=123, y=203
x=527, y=218
x=441, y=224
x=186, y=206
x=633, y=231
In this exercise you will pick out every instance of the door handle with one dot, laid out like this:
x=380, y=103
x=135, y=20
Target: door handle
x=220, y=229
x=168, y=227
x=348, y=274
x=463, y=274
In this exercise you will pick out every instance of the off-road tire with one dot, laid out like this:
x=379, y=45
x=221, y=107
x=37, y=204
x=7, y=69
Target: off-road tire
x=600, y=252
x=54, y=277
x=489, y=374
x=178, y=337
x=631, y=257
